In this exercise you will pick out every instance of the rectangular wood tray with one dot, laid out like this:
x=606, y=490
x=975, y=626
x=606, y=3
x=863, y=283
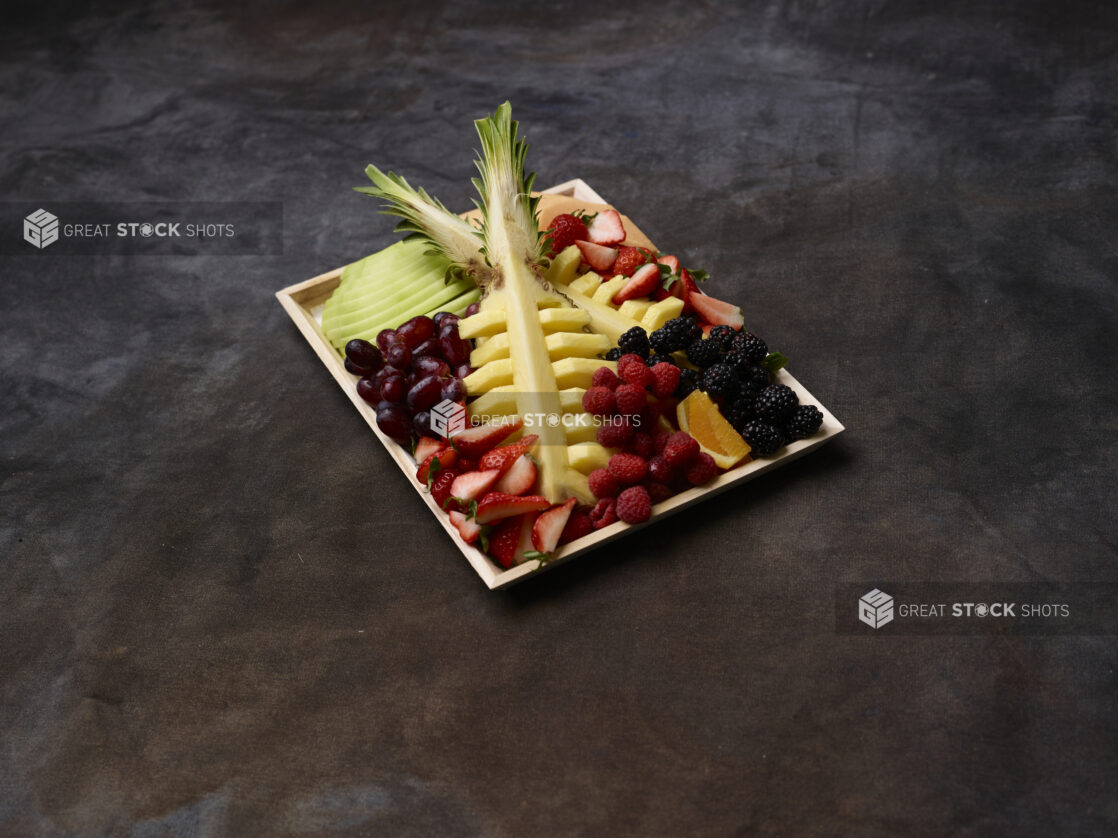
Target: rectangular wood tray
x=304, y=302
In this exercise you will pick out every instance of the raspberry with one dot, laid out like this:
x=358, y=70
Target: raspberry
x=628, y=260
x=660, y=439
x=627, y=469
x=605, y=377
x=629, y=358
x=630, y=399
x=665, y=378
x=703, y=470
x=657, y=491
x=603, y=484
x=681, y=449
x=641, y=445
x=599, y=401
x=615, y=433
x=604, y=514
x=636, y=374
x=578, y=525
x=634, y=506
x=565, y=230
x=659, y=470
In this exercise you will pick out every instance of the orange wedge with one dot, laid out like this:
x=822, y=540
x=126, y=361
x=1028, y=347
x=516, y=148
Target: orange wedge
x=700, y=417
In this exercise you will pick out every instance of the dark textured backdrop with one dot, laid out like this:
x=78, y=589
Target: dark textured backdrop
x=223, y=611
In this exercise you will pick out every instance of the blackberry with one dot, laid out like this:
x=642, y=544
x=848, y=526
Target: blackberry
x=614, y=354
x=763, y=438
x=719, y=382
x=676, y=334
x=740, y=413
x=775, y=402
x=636, y=341
x=804, y=422
x=750, y=345
x=753, y=379
x=723, y=336
x=653, y=360
x=688, y=383
x=703, y=353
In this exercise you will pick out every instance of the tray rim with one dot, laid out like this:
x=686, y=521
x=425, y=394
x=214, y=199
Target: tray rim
x=300, y=299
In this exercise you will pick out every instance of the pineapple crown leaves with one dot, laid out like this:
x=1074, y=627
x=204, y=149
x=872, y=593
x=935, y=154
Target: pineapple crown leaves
x=505, y=188
x=424, y=216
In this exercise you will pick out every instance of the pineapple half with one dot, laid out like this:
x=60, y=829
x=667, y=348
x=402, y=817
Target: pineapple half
x=536, y=345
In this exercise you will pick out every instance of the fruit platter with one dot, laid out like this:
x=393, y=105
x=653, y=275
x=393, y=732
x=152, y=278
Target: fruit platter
x=545, y=377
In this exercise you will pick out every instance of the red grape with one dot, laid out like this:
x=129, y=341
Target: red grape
x=424, y=394
x=463, y=370
x=393, y=421
x=455, y=350
x=357, y=369
x=416, y=330
x=454, y=389
x=368, y=390
x=426, y=365
x=428, y=347
x=471, y=310
x=421, y=423
x=398, y=356
x=392, y=388
x=385, y=338
x=364, y=354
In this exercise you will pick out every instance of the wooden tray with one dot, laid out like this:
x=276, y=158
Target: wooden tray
x=304, y=302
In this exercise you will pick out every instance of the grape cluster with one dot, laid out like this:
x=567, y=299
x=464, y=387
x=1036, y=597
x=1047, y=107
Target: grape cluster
x=409, y=370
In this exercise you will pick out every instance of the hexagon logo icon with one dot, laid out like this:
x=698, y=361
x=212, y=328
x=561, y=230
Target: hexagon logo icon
x=875, y=609
x=448, y=418
x=40, y=228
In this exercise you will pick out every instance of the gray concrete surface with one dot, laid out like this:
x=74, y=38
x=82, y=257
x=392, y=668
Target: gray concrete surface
x=223, y=612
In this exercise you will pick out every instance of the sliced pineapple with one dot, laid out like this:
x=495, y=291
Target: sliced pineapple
x=587, y=456
x=564, y=266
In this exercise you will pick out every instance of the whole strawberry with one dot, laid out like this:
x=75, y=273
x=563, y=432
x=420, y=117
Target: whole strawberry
x=565, y=230
x=629, y=259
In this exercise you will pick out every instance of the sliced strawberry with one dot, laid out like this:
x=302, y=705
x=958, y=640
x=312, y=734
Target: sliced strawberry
x=717, y=312
x=440, y=488
x=446, y=457
x=520, y=477
x=426, y=447
x=549, y=526
x=503, y=457
x=504, y=541
x=498, y=505
x=597, y=256
x=524, y=543
x=475, y=441
x=671, y=262
x=467, y=528
x=473, y=484
x=643, y=282
x=685, y=289
x=606, y=228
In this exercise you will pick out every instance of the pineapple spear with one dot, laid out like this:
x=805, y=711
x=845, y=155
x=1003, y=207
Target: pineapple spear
x=504, y=258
